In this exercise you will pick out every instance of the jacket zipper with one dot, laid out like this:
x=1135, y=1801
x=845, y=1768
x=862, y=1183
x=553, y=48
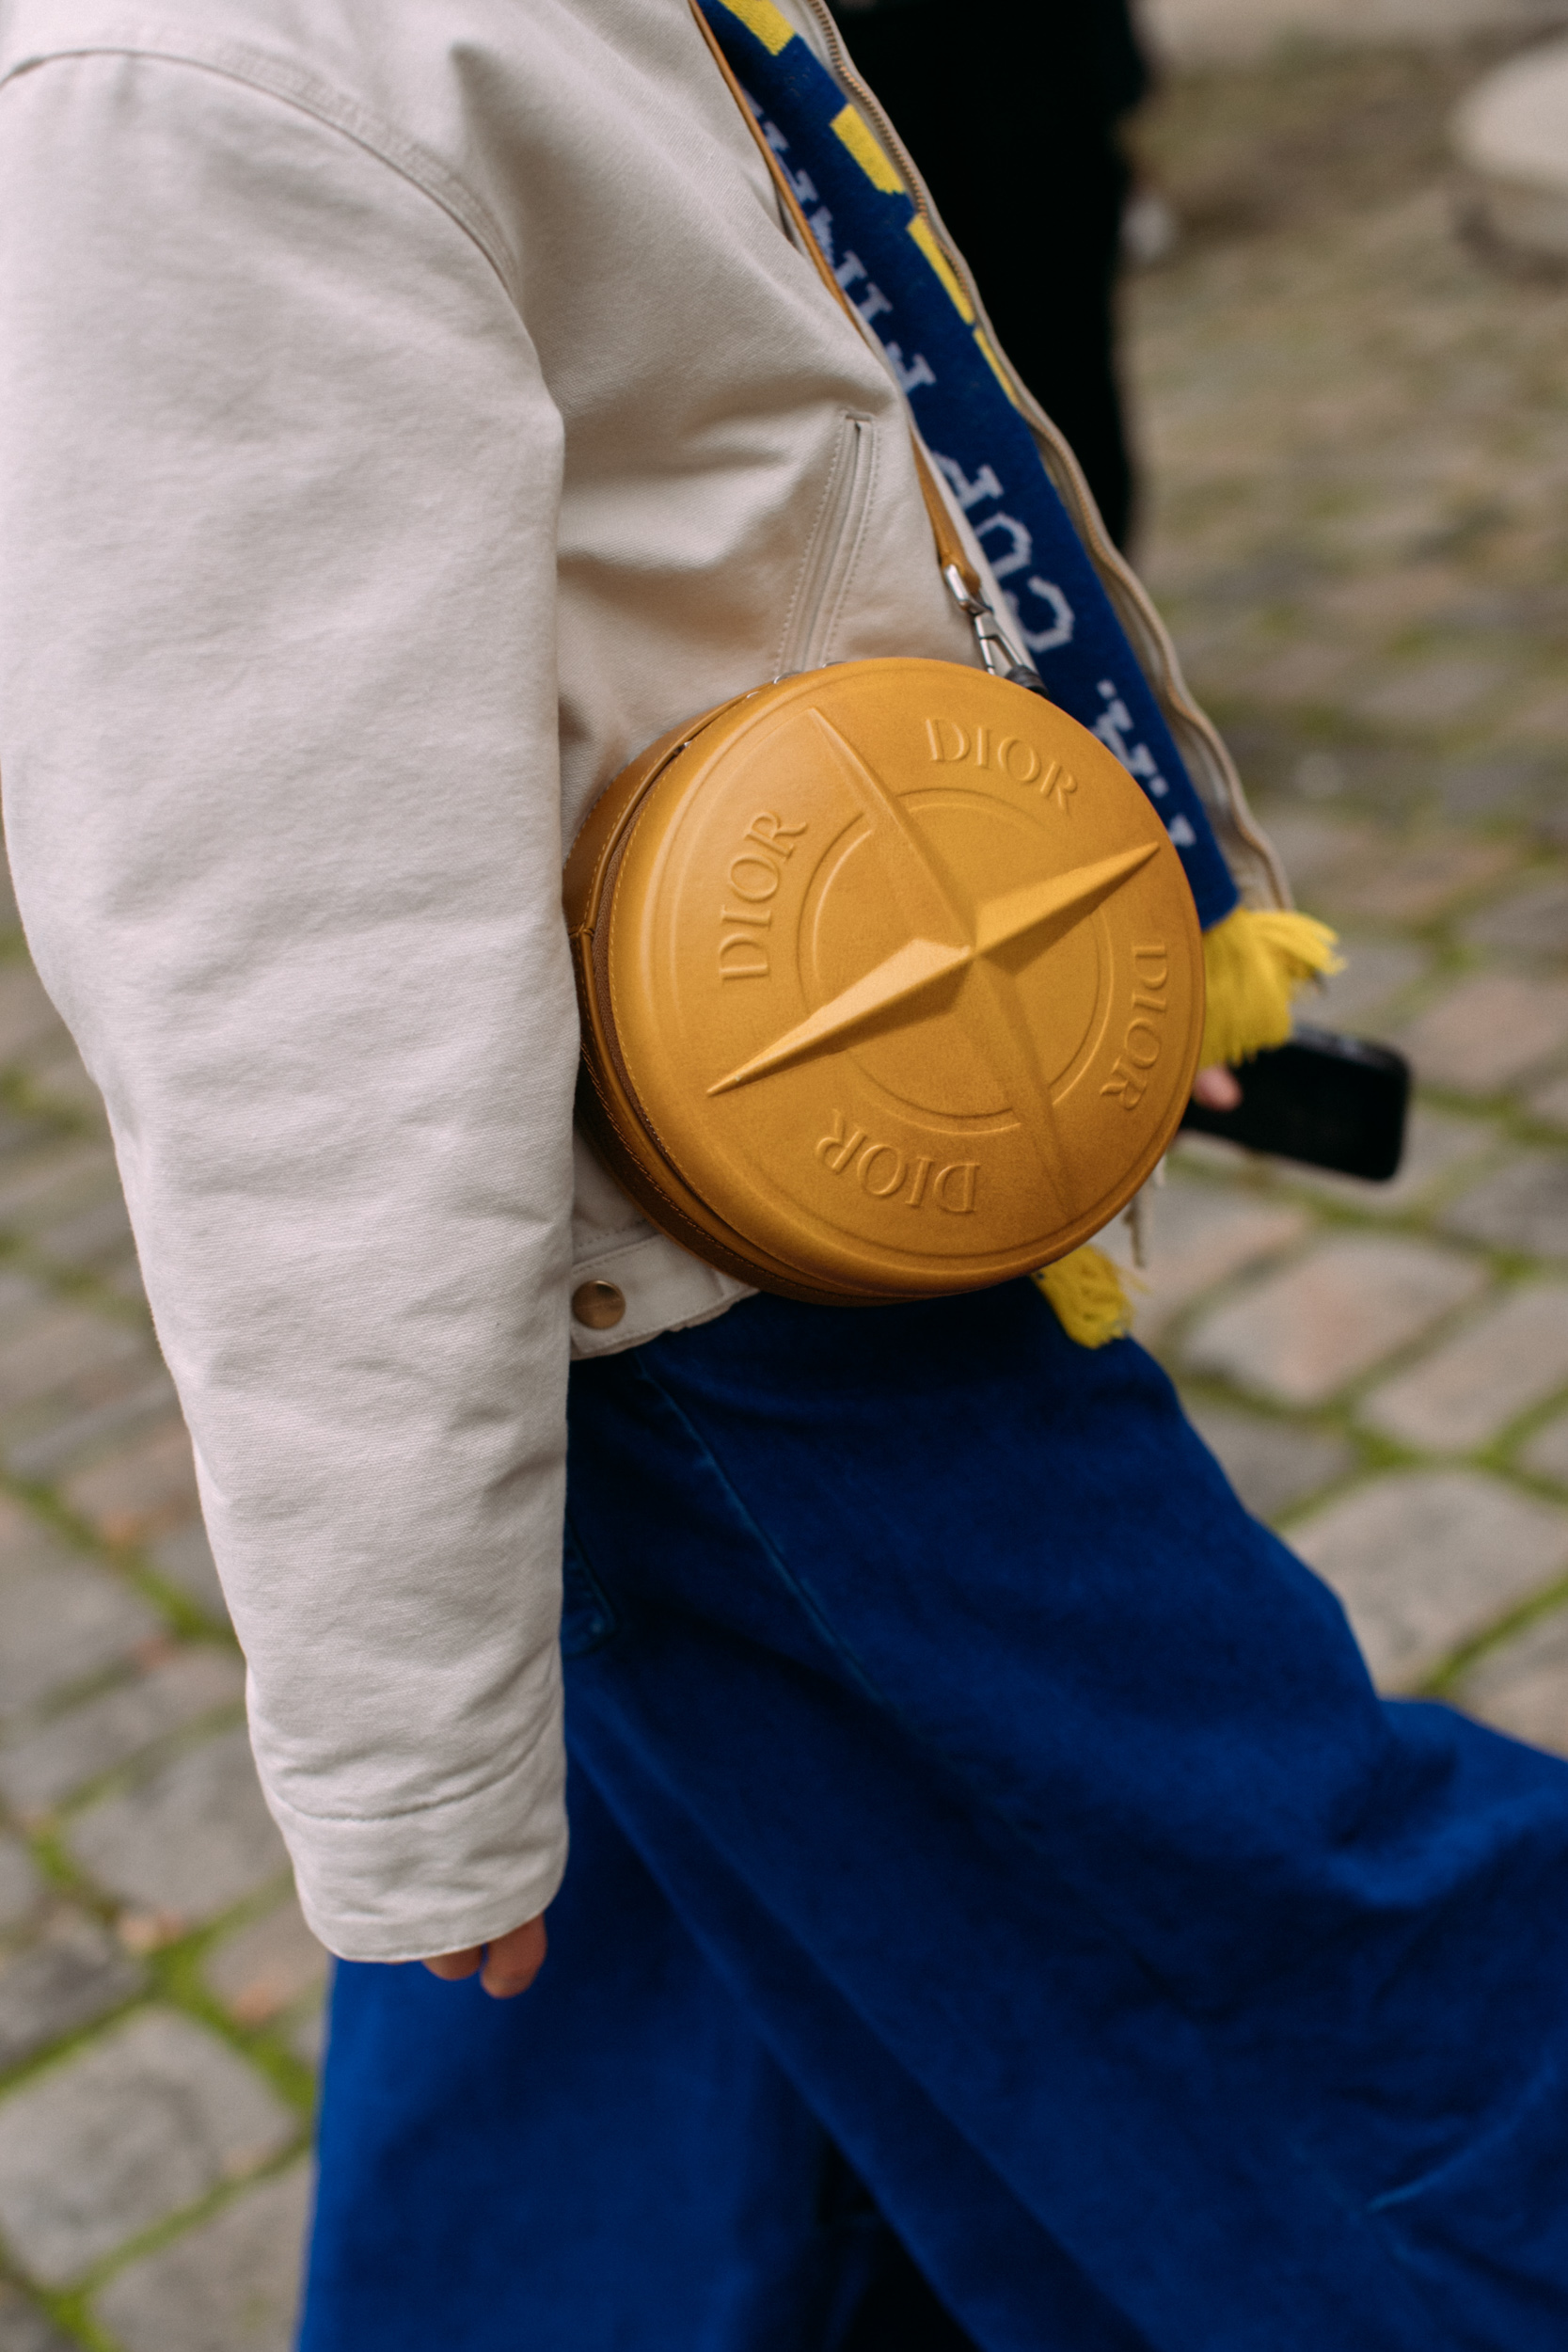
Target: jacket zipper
x=825, y=574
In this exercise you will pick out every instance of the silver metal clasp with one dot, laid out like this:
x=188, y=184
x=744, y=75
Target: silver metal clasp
x=997, y=651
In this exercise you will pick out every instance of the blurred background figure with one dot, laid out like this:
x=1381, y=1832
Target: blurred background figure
x=1014, y=118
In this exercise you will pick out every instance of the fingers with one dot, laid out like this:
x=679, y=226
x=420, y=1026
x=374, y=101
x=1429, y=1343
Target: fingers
x=509, y=1963
x=515, y=1961
x=454, y=1965
x=1217, y=1089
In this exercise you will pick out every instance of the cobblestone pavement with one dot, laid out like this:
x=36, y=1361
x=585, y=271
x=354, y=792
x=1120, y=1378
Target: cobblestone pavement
x=1211, y=32
x=159, y=1994
x=1359, y=429
x=1357, y=434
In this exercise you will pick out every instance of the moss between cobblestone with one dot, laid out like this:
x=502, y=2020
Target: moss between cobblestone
x=185, y=1620
x=1495, y=1637
x=72, y=2308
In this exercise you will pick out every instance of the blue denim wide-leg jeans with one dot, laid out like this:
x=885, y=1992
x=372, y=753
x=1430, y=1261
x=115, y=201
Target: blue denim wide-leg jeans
x=987, y=1843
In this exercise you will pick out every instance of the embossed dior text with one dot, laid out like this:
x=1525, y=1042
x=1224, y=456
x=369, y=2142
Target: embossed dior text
x=884, y=1171
x=1005, y=756
x=747, y=914
x=1142, y=1041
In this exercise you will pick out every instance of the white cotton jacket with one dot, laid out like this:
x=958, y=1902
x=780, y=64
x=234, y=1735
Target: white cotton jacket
x=408, y=409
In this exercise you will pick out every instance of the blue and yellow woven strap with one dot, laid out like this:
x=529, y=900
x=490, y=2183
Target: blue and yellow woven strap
x=874, y=240
x=888, y=261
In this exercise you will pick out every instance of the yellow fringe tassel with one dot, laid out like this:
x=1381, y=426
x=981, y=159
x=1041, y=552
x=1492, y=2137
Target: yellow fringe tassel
x=1254, y=962
x=1086, y=1295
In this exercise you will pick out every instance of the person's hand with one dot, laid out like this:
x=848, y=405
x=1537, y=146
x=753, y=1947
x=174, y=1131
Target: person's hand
x=506, y=1966
x=1217, y=1089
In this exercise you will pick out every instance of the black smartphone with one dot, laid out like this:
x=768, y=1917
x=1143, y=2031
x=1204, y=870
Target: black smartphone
x=1327, y=1101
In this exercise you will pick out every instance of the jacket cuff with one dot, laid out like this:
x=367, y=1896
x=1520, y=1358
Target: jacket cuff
x=441, y=1878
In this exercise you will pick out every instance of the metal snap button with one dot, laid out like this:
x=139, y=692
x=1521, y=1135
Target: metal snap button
x=599, y=1305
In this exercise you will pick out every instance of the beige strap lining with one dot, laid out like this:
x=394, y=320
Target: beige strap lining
x=950, y=554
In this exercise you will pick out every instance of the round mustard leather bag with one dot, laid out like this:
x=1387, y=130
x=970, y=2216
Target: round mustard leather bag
x=891, y=982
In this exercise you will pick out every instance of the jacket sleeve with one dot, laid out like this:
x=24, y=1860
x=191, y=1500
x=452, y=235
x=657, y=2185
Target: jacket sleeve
x=279, y=489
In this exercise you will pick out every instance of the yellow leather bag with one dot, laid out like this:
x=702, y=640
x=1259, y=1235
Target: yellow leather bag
x=891, y=981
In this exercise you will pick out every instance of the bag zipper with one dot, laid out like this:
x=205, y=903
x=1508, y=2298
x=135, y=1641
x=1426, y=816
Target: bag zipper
x=836, y=538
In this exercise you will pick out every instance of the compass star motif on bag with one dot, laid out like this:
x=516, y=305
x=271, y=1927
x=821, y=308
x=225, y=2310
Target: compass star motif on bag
x=891, y=982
